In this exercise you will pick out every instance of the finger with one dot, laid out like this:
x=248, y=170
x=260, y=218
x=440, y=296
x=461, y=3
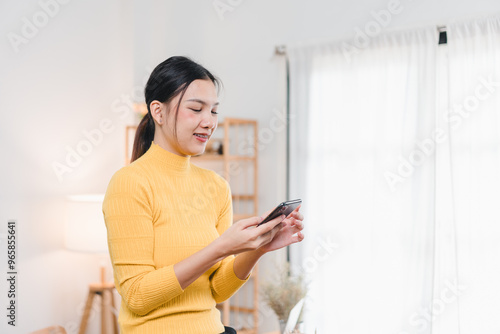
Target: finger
x=293, y=229
x=292, y=221
x=298, y=216
x=287, y=222
x=296, y=210
x=264, y=228
x=298, y=224
x=267, y=213
x=277, y=228
x=253, y=221
x=297, y=238
x=271, y=234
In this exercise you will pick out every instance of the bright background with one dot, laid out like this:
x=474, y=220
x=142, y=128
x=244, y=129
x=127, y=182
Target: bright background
x=79, y=68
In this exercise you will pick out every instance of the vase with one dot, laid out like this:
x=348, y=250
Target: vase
x=282, y=326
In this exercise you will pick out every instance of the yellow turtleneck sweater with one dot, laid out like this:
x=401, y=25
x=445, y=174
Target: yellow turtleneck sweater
x=158, y=211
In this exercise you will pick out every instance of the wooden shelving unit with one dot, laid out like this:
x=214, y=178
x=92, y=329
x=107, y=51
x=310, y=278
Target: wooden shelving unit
x=238, y=165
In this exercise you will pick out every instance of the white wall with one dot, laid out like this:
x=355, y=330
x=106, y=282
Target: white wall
x=59, y=84
x=65, y=79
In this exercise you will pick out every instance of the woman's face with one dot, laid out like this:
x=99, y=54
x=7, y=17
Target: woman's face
x=196, y=120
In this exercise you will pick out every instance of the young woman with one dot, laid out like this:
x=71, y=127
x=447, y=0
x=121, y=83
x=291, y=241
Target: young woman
x=170, y=233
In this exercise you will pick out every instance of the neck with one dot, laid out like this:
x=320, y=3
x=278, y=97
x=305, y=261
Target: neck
x=164, y=144
x=171, y=160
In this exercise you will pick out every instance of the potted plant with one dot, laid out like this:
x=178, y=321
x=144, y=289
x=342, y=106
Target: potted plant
x=284, y=293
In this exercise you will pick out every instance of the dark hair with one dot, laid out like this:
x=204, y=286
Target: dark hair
x=169, y=79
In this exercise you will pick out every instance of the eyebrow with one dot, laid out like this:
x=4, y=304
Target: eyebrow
x=201, y=101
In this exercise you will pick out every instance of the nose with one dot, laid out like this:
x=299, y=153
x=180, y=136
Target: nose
x=208, y=122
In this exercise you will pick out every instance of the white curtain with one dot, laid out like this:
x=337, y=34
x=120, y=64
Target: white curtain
x=469, y=175
x=402, y=234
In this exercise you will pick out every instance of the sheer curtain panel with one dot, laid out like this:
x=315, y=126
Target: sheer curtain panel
x=359, y=124
x=396, y=153
x=470, y=168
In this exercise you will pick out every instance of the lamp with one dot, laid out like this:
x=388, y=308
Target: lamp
x=86, y=232
x=85, y=229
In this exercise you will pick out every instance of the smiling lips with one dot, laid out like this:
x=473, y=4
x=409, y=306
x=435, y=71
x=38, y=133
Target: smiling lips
x=201, y=137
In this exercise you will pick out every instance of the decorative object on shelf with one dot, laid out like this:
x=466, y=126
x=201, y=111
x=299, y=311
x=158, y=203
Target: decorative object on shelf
x=284, y=293
x=214, y=146
x=140, y=110
x=292, y=323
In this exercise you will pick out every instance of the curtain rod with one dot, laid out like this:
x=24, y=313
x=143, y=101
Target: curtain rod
x=280, y=50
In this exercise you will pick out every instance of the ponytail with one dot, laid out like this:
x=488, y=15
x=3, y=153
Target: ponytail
x=170, y=78
x=143, y=136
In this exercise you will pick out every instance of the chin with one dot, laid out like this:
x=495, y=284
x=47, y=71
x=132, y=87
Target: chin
x=195, y=152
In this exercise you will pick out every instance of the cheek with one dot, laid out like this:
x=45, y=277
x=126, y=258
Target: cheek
x=186, y=123
x=187, y=118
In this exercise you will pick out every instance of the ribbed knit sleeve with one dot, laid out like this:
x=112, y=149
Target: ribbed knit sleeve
x=129, y=222
x=224, y=282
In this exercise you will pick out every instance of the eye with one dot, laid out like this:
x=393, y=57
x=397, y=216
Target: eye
x=197, y=110
x=214, y=112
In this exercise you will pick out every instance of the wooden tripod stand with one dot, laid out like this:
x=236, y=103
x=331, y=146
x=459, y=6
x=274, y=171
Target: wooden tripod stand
x=102, y=289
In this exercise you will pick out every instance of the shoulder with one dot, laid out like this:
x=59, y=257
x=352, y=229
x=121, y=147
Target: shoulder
x=127, y=179
x=212, y=179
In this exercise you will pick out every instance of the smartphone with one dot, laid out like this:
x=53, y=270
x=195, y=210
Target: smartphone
x=284, y=208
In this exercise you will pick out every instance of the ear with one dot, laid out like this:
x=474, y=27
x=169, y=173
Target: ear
x=158, y=112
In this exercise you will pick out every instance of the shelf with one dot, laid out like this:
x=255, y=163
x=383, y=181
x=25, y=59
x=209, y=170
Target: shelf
x=244, y=197
x=247, y=331
x=208, y=157
x=221, y=157
x=238, y=121
x=241, y=158
x=241, y=309
x=240, y=216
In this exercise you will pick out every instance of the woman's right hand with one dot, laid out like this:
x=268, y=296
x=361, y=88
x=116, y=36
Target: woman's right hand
x=244, y=235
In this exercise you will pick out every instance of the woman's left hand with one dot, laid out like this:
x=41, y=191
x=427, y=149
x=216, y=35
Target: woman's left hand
x=289, y=233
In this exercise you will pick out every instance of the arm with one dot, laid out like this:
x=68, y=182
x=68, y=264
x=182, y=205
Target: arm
x=238, y=269
x=129, y=221
x=233, y=272
x=233, y=239
x=224, y=282
x=289, y=232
